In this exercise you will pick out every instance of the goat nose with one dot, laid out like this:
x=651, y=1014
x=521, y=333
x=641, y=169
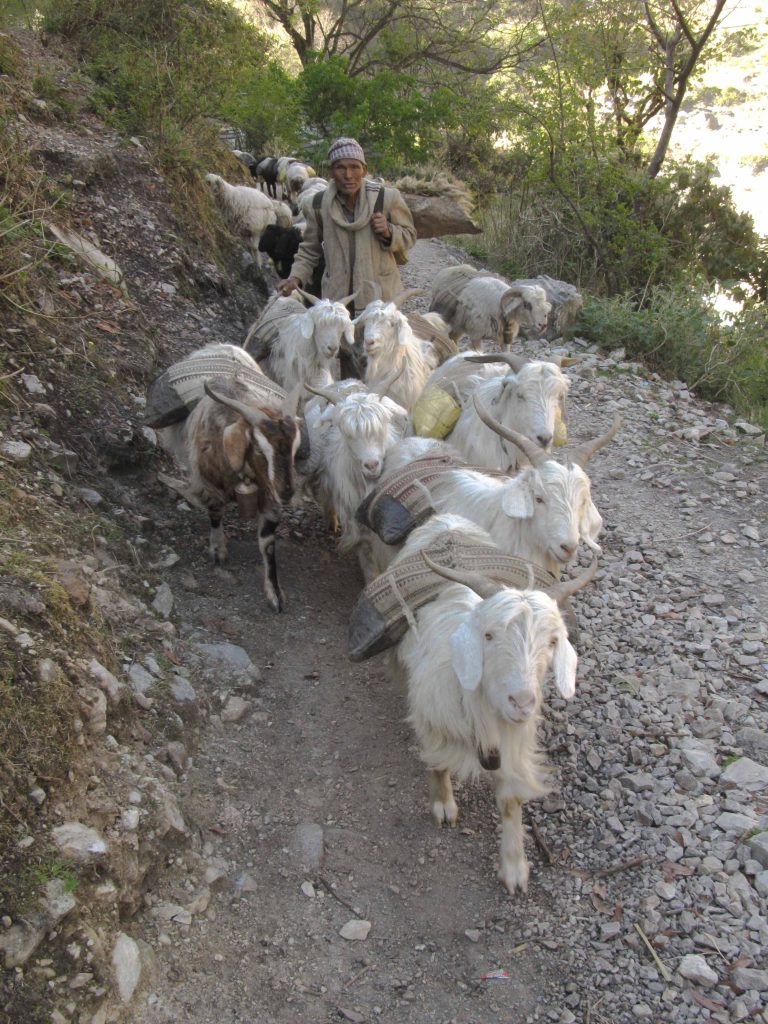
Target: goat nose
x=568, y=550
x=545, y=440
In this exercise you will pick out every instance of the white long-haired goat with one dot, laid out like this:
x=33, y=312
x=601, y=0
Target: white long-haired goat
x=474, y=665
x=247, y=210
x=308, y=340
x=542, y=513
x=349, y=438
x=524, y=395
x=389, y=343
x=487, y=308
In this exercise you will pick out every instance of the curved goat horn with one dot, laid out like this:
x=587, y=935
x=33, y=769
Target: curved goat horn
x=560, y=591
x=535, y=455
x=383, y=386
x=290, y=406
x=311, y=299
x=404, y=295
x=582, y=453
x=348, y=298
x=326, y=393
x=250, y=415
x=515, y=363
x=481, y=585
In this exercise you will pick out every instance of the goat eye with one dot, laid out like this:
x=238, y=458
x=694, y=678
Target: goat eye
x=539, y=500
x=489, y=636
x=553, y=642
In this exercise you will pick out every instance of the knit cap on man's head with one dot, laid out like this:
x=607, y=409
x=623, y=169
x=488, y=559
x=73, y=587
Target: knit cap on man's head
x=345, y=149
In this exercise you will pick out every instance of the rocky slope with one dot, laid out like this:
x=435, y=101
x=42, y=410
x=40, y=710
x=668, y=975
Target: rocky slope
x=243, y=833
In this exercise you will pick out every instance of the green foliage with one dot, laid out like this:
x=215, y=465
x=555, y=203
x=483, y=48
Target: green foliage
x=395, y=120
x=264, y=104
x=677, y=332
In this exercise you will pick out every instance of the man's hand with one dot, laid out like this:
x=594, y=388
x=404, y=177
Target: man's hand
x=381, y=227
x=289, y=285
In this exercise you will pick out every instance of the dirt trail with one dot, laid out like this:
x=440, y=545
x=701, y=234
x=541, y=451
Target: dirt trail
x=314, y=806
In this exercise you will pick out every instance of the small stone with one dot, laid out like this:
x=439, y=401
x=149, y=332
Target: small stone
x=163, y=601
x=355, y=930
x=78, y=841
x=747, y=979
x=666, y=890
x=308, y=889
x=732, y=821
x=141, y=680
x=745, y=773
x=16, y=451
x=235, y=709
x=33, y=384
x=90, y=497
x=696, y=969
x=113, y=688
x=473, y=934
x=126, y=963
x=182, y=690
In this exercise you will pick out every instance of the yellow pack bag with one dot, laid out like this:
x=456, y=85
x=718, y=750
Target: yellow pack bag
x=435, y=413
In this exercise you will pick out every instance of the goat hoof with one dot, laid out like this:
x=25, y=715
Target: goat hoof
x=445, y=813
x=276, y=601
x=514, y=876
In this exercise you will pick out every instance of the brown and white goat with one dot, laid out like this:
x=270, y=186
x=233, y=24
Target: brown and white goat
x=236, y=448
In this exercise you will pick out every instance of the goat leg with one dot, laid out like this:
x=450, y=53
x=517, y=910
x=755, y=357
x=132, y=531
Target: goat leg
x=217, y=542
x=444, y=807
x=274, y=595
x=514, y=868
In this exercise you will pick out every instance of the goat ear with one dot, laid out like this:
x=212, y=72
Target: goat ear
x=349, y=335
x=590, y=524
x=235, y=443
x=403, y=332
x=306, y=325
x=517, y=499
x=564, y=667
x=467, y=654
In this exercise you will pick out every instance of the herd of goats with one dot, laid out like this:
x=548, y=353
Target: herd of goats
x=461, y=541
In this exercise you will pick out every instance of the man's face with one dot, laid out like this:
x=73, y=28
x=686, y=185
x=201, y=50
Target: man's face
x=348, y=176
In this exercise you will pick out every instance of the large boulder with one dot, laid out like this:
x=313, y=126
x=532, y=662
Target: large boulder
x=435, y=216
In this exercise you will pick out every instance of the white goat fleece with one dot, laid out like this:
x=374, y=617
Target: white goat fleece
x=247, y=210
x=526, y=401
x=348, y=443
x=308, y=342
x=541, y=513
x=487, y=308
x=389, y=343
x=283, y=212
x=474, y=670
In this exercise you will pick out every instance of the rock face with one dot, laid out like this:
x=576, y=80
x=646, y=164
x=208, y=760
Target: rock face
x=435, y=216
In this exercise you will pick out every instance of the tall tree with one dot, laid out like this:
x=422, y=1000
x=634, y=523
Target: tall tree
x=402, y=35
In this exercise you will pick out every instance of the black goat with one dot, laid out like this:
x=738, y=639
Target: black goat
x=281, y=245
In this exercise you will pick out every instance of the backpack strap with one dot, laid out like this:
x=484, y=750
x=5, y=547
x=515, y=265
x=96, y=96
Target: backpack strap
x=378, y=206
x=317, y=202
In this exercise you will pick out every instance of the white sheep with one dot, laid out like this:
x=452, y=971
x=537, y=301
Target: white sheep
x=474, y=664
x=349, y=437
x=247, y=210
x=388, y=343
x=307, y=341
x=306, y=197
x=525, y=395
x=283, y=213
x=291, y=174
x=486, y=308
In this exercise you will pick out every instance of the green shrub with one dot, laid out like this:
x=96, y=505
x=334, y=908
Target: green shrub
x=678, y=333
